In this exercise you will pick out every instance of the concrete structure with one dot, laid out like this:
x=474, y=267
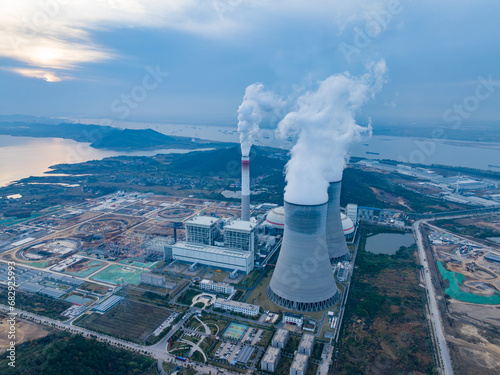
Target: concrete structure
x=306, y=344
x=347, y=226
x=202, y=230
x=303, y=278
x=276, y=218
x=238, y=307
x=214, y=256
x=245, y=188
x=352, y=212
x=153, y=279
x=240, y=235
x=216, y=287
x=107, y=304
x=490, y=257
x=299, y=364
x=280, y=338
x=271, y=359
x=295, y=319
x=337, y=247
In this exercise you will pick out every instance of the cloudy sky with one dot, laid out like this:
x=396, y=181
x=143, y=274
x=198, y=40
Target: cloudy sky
x=189, y=61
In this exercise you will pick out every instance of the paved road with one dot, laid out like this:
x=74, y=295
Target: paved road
x=435, y=315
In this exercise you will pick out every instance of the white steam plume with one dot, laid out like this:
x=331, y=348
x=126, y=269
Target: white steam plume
x=324, y=122
x=257, y=103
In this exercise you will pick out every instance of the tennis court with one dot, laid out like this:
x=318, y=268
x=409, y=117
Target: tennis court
x=235, y=331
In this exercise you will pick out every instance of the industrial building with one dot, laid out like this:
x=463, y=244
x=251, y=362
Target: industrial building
x=238, y=307
x=240, y=235
x=306, y=344
x=294, y=286
x=351, y=211
x=492, y=258
x=153, y=279
x=214, y=256
x=280, y=338
x=299, y=364
x=271, y=359
x=202, y=230
x=107, y=304
x=216, y=287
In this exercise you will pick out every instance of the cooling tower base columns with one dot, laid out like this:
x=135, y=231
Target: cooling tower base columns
x=302, y=306
x=344, y=258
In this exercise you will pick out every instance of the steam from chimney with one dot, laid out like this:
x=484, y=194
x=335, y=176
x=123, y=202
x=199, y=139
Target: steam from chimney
x=324, y=122
x=257, y=103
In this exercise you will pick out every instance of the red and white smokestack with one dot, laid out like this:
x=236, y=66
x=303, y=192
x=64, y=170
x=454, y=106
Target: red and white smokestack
x=245, y=188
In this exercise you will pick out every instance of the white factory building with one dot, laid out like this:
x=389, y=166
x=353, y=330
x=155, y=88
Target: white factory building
x=238, y=307
x=203, y=244
x=214, y=256
x=216, y=287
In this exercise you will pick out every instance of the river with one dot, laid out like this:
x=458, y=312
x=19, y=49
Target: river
x=23, y=156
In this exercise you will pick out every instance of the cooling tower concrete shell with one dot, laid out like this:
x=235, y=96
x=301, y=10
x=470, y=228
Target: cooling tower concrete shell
x=245, y=188
x=335, y=239
x=303, y=279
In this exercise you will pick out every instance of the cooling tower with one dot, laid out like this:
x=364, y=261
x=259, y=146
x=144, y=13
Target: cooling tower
x=245, y=188
x=303, y=279
x=335, y=239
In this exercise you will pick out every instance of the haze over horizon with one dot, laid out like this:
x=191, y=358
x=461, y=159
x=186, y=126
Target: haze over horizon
x=190, y=62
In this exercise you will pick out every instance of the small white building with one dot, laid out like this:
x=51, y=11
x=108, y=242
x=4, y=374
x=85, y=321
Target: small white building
x=295, y=319
x=216, y=287
x=238, y=307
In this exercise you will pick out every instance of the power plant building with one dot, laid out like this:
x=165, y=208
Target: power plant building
x=351, y=211
x=240, y=235
x=202, y=230
x=280, y=338
x=271, y=359
x=214, y=256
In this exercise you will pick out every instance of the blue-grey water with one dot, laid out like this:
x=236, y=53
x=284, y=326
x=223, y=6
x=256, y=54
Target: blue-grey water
x=24, y=156
x=388, y=243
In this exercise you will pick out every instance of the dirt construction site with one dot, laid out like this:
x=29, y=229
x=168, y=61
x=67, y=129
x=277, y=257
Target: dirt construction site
x=468, y=285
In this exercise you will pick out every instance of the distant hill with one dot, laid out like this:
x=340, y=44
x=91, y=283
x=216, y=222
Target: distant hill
x=226, y=162
x=103, y=136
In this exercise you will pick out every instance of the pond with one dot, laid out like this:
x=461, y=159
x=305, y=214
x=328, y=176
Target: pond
x=388, y=243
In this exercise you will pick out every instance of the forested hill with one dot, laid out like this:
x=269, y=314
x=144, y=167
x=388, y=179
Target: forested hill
x=227, y=162
x=105, y=137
